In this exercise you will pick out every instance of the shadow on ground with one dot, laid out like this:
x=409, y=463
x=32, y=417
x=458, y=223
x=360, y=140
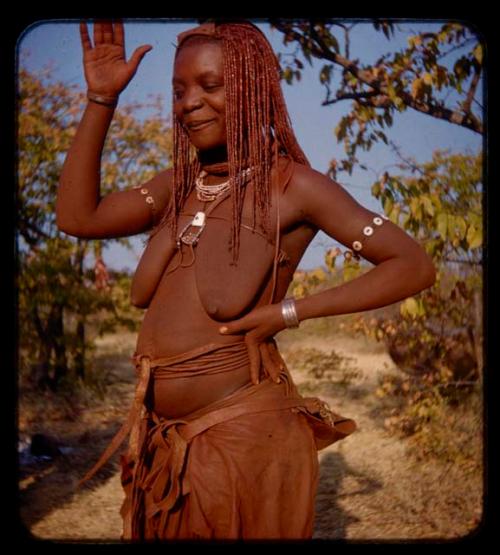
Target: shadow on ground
x=337, y=482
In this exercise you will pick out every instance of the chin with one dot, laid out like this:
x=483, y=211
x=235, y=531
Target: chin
x=207, y=146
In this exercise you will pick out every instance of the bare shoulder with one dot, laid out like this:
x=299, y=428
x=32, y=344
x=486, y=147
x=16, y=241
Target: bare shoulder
x=327, y=205
x=161, y=182
x=312, y=191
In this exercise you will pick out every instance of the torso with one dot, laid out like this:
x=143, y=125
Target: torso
x=191, y=302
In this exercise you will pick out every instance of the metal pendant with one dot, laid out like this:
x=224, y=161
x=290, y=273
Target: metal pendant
x=188, y=236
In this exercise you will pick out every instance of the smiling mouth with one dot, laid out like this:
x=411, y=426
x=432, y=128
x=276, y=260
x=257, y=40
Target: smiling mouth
x=199, y=125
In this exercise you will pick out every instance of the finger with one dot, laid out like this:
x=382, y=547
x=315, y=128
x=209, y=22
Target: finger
x=107, y=32
x=84, y=35
x=254, y=355
x=276, y=357
x=274, y=351
x=138, y=55
x=98, y=33
x=119, y=34
x=269, y=365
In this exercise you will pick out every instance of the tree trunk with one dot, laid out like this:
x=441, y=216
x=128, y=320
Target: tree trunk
x=478, y=333
x=80, y=348
x=59, y=345
x=40, y=373
x=81, y=317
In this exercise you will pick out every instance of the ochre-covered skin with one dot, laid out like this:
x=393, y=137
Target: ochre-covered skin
x=186, y=306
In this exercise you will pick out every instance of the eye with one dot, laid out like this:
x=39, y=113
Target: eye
x=178, y=94
x=212, y=87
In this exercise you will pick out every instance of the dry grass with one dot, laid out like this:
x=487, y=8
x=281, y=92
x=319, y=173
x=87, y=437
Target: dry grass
x=372, y=485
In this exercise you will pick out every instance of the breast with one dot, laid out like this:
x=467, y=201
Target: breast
x=229, y=290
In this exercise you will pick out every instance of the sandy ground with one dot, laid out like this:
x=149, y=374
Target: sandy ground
x=370, y=488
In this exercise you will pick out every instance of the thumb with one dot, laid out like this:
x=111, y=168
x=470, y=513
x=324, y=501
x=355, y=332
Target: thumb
x=138, y=55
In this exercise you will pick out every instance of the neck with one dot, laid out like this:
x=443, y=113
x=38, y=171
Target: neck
x=214, y=160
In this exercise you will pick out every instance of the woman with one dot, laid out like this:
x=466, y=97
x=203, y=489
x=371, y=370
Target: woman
x=221, y=444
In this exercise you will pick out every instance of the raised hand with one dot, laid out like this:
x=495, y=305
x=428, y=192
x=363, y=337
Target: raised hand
x=106, y=70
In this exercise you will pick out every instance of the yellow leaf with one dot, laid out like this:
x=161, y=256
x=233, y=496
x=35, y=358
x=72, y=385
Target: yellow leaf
x=474, y=237
x=428, y=206
x=331, y=257
x=442, y=225
x=427, y=77
x=318, y=274
x=299, y=291
x=409, y=307
x=416, y=88
x=478, y=53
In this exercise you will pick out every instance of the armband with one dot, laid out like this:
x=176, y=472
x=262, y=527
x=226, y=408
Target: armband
x=148, y=197
x=368, y=231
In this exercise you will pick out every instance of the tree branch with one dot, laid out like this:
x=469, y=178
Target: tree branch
x=319, y=50
x=472, y=90
x=352, y=96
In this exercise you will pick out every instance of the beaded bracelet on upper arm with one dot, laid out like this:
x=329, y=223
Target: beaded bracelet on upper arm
x=368, y=231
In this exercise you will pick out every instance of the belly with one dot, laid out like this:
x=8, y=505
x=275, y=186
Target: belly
x=178, y=397
x=177, y=322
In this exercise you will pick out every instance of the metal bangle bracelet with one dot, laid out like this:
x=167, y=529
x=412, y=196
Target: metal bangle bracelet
x=101, y=99
x=289, y=313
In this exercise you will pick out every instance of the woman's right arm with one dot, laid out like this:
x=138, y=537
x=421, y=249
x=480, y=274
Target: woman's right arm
x=80, y=210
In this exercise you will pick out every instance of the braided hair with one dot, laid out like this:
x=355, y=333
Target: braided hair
x=257, y=122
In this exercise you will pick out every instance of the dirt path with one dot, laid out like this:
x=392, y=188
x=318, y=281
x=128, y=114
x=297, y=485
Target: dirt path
x=369, y=487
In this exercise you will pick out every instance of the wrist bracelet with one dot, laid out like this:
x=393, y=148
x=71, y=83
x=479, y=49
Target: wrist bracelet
x=101, y=99
x=289, y=313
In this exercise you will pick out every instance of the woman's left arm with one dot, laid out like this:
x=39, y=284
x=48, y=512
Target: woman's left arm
x=401, y=266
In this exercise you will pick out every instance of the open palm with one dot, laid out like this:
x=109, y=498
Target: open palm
x=106, y=70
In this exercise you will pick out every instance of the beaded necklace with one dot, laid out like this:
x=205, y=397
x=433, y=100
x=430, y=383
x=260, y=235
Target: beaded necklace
x=191, y=232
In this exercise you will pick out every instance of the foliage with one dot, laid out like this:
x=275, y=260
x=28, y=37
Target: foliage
x=439, y=417
x=62, y=281
x=440, y=203
x=438, y=73
x=317, y=279
x=435, y=337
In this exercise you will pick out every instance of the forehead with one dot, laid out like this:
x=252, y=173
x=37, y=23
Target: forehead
x=197, y=58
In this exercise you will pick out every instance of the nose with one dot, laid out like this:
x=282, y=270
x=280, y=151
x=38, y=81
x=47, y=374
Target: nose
x=192, y=99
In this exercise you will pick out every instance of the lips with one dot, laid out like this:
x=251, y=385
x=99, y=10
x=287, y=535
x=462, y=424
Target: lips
x=199, y=124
